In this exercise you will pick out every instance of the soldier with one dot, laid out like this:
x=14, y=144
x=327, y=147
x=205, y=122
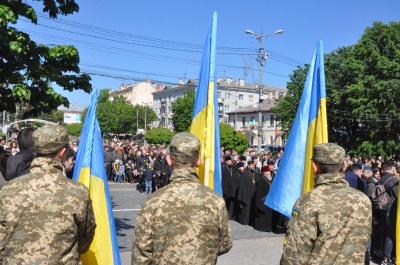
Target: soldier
x=45, y=218
x=331, y=224
x=190, y=225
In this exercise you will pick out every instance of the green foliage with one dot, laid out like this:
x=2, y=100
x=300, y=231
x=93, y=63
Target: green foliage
x=118, y=116
x=159, y=136
x=2, y=135
x=182, y=111
x=363, y=87
x=74, y=128
x=56, y=116
x=230, y=139
x=29, y=69
x=286, y=107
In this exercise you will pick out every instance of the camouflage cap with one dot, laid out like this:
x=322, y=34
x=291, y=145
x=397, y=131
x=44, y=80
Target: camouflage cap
x=184, y=148
x=328, y=153
x=49, y=139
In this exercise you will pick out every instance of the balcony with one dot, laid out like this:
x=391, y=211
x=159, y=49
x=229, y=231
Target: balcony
x=220, y=100
x=220, y=112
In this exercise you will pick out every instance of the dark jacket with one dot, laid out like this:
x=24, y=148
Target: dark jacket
x=355, y=182
x=15, y=166
x=391, y=188
x=371, y=183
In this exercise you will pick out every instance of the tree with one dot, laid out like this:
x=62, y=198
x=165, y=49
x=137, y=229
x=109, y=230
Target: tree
x=56, y=116
x=118, y=116
x=74, y=128
x=363, y=85
x=230, y=139
x=159, y=136
x=28, y=69
x=182, y=111
x=286, y=107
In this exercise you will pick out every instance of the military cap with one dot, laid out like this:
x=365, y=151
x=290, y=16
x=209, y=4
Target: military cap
x=184, y=148
x=73, y=139
x=240, y=164
x=328, y=153
x=49, y=139
x=251, y=162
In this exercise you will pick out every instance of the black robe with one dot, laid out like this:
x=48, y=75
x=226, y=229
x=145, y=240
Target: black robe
x=227, y=172
x=246, y=192
x=232, y=197
x=264, y=216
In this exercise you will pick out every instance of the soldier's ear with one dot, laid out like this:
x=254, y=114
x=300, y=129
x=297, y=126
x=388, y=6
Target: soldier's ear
x=61, y=153
x=315, y=167
x=198, y=161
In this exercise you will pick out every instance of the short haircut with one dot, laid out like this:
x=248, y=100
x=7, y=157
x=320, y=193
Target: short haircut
x=355, y=167
x=69, y=153
x=329, y=168
x=25, y=141
x=386, y=166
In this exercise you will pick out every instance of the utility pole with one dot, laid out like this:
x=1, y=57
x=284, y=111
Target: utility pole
x=261, y=58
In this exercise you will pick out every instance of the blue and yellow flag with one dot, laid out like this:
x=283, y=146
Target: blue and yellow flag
x=205, y=124
x=295, y=175
x=90, y=170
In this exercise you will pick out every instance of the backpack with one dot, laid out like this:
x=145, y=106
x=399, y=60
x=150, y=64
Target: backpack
x=381, y=200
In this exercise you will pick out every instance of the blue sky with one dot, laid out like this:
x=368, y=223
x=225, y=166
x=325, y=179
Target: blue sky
x=123, y=41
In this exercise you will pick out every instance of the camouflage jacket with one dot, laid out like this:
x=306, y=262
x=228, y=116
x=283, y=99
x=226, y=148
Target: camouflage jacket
x=45, y=218
x=183, y=223
x=331, y=224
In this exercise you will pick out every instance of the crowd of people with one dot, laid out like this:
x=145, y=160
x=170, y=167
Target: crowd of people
x=246, y=181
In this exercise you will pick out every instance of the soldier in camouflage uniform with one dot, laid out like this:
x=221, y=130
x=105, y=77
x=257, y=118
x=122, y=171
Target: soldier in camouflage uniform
x=185, y=222
x=331, y=224
x=45, y=218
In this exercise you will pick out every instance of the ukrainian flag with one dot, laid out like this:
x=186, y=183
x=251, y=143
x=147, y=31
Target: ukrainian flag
x=90, y=170
x=295, y=175
x=205, y=124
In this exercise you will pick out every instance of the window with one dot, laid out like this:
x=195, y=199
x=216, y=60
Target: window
x=250, y=97
x=219, y=94
x=240, y=96
x=226, y=107
x=227, y=96
x=243, y=122
x=272, y=120
x=160, y=110
x=225, y=119
x=169, y=98
x=220, y=106
x=169, y=109
x=169, y=121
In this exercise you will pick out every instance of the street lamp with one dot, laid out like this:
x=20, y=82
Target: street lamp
x=145, y=121
x=262, y=57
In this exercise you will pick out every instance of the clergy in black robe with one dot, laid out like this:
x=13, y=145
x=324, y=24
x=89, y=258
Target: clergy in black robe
x=233, y=193
x=264, y=216
x=227, y=171
x=246, y=192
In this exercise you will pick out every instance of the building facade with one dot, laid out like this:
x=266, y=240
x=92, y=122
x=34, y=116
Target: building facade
x=232, y=96
x=245, y=120
x=137, y=93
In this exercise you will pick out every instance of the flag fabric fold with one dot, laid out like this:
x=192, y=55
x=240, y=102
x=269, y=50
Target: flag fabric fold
x=205, y=119
x=89, y=170
x=295, y=175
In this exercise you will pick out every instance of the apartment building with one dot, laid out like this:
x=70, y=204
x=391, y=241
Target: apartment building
x=232, y=96
x=137, y=93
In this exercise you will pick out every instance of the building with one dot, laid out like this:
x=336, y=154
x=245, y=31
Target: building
x=72, y=114
x=245, y=120
x=232, y=96
x=138, y=93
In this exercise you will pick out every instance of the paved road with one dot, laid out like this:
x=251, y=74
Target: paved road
x=249, y=246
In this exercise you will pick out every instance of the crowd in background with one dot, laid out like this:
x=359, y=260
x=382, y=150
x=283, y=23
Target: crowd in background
x=246, y=180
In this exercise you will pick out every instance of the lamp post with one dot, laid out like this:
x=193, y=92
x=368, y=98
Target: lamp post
x=137, y=120
x=261, y=58
x=145, y=121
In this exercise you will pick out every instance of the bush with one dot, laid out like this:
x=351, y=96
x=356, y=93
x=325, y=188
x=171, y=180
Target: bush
x=159, y=136
x=74, y=128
